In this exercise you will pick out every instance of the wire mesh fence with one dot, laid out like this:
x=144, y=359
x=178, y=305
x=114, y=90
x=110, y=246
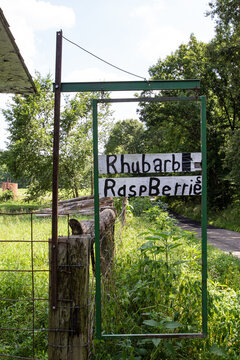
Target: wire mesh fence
x=24, y=286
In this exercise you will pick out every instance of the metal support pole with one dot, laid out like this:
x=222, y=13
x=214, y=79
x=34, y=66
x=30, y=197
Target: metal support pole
x=96, y=212
x=55, y=175
x=204, y=216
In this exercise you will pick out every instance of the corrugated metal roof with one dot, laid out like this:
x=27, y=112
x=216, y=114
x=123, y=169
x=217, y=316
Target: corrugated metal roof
x=14, y=75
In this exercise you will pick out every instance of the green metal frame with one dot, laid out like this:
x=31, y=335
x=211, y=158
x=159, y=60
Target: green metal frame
x=95, y=102
x=130, y=85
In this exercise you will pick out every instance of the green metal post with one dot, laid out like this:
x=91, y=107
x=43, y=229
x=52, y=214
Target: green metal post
x=96, y=212
x=204, y=215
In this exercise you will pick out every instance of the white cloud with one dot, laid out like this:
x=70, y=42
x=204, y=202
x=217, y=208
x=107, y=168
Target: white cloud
x=39, y=15
x=26, y=17
x=158, y=39
x=149, y=12
x=165, y=24
x=160, y=42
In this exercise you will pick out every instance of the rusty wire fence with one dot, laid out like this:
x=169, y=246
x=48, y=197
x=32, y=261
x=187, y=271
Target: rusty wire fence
x=24, y=284
x=29, y=328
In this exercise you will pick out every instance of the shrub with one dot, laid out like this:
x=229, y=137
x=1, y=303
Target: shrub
x=7, y=195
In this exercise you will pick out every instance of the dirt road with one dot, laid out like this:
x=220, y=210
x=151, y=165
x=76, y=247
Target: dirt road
x=226, y=240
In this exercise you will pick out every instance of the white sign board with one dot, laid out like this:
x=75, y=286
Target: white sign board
x=150, y=186
x=149, y=163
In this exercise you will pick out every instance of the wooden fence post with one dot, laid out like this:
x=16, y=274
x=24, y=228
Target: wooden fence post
x=107, y=221
x=68, y=323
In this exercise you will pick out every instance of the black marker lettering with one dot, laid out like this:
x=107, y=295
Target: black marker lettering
x=177, y=185
x=175, y=164
x=145, y=165
x=184, y=187
x=123, y=165
x=157, y=165
x=190, y=188
x=136, y=169
x=198, y=181
x=165, y=189
x=122, y=191
x=109, y=185
x=111, y=164
x=142, y=189
x=197, y=189
x=132, y=189
x=165, y=164
x=154, y=188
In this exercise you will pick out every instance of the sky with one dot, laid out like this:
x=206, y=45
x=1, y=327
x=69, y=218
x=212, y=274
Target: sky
x=131, y=34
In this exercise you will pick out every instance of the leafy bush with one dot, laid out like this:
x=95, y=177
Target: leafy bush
x=143, y=204
x=156, y=288
x=7, y=195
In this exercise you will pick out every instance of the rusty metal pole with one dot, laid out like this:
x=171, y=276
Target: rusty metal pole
x=55, y=175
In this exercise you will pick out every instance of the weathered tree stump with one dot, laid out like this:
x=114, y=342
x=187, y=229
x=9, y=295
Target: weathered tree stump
x=68, y=322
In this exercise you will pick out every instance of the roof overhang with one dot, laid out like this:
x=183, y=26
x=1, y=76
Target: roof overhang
x=14, y=75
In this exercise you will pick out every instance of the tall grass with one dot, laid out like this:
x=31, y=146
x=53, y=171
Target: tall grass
x=18, y=253
x=155, y=287
x=227, y=218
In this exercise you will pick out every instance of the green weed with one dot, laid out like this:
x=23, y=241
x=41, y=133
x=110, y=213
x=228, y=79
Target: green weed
x=18, y=254
x=156, y=288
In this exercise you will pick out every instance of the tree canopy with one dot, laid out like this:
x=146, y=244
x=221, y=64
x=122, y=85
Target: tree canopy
x=126, y=136
x=176, y=126
x=163, y=127
x=29, y=152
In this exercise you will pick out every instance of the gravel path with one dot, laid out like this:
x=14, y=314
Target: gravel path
x=226, y=240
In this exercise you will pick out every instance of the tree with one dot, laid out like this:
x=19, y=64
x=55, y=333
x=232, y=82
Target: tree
x=226, y=14
x=126, y=136
x=224, y=52
x=30, y=119
x=232, y=158
x=176, y=126
x=4, y=173
x=76, y=141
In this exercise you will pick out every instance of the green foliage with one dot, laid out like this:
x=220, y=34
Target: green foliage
x=188, y=207
x=30, y=119
x=157, y=288
x=232, y=157
x=76, y=141
x=7, y=195
x=141, y=205
x=4, y=173
x=18, y=285
x=175, y=126
x=126, y=137
x=29, y=155
x=226, y=14
x=227, y=218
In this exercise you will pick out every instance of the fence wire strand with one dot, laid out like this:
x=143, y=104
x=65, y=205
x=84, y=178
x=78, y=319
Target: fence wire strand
x=33, y=300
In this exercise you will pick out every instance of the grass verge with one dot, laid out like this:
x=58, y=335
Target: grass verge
x=227, y=218
x=155, y=287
